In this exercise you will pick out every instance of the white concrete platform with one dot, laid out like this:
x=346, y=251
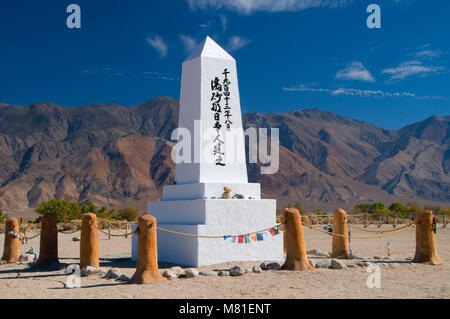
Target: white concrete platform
x=214, y=218
x=210, y=190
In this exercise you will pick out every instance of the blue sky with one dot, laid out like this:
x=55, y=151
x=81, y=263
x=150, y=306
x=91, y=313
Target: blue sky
x=291, y=54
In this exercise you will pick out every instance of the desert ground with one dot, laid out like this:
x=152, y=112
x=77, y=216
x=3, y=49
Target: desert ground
x=399, y=277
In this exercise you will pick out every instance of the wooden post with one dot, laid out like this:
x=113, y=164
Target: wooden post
x=394, y=221
x=328, y=219
x=48, y=249
x=89, y=242
x=444, y=221
x=296, y=258
x=126, y=230
x=425, y=240
x=11, y=250
x=365, y=220
x=340, y=247
x=147, y=259
x=109, y=230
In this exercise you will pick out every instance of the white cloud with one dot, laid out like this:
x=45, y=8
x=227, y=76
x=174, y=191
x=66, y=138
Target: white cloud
x=250, y=6
x=159, y=45
x=360, y=93
x=236, y=42
x=223, y=21
x=189, y=43
x=411, y=68
x=355, y=71
x=428, y=54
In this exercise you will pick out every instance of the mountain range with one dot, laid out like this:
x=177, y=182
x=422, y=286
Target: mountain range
x=120, y=156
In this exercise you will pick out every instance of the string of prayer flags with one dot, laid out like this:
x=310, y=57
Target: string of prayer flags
x=253, y=237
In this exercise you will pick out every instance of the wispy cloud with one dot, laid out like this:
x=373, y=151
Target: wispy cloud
x=158, y=44
x=411, y=68
x=223, y=21
x=250, y=6
x=108, y=71
x=360, y=93
x=355, y=71
x=236, y=42
x=189, y=43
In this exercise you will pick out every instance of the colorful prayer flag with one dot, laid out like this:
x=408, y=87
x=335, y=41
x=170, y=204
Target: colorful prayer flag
x=276, y=230
x=260, y=236
x=233, y=239
x=272, y=231
x=247, y=239
x=253, y=237
x=240, y=239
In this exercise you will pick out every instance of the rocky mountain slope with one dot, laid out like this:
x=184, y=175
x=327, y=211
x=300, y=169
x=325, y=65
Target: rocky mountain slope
x=119, y=156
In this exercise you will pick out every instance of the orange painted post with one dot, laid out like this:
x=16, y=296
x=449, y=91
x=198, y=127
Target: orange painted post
x=89, y=242
x=425, y=240
x=296, y=258
x=340, y=246
x=11, y=250
x=48, y=248
x=147, y=258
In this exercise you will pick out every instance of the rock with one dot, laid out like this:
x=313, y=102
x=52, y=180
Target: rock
x=351, y=265
x=337, y=264
x=376, y=257
x=208, y=273
x=123, y=278
x=102, y=274
x=113, y=274
x=256, y=269
x=263, y=266
x=89, y=270
x=363, y=264
x=177, y=270
x=238, y=196
x=227, y=193
x=224, y=273
x=237, y=271
x=311, y=263
x=273, y=266
x=316, y=252
x=2, y=262
x=27, y=257
x=76, y=239
x=191, y=273
x=326, y=263
x=169, y=274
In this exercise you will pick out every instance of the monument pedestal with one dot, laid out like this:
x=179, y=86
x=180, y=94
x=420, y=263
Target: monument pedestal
x=213, y=217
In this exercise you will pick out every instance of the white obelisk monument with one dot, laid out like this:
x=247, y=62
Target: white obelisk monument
x=210, y=110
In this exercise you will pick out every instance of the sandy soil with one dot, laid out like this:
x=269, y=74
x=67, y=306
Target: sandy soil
x=399, y=278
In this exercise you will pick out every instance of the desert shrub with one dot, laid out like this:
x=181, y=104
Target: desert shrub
x=3, y=217
x=130, y=213
x=64, y=210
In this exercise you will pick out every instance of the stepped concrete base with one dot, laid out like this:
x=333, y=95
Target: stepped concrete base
x=215, y=217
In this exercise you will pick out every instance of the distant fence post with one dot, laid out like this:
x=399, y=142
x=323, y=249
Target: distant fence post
x=89, y=242
x=340, y=247
x=365, y=220
x=444, y=221
x=109, y=230
x=394, y=221
x=147, y=259
x=48, y=248
x=11, y=250
x=425, y=240
x=296, y=258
